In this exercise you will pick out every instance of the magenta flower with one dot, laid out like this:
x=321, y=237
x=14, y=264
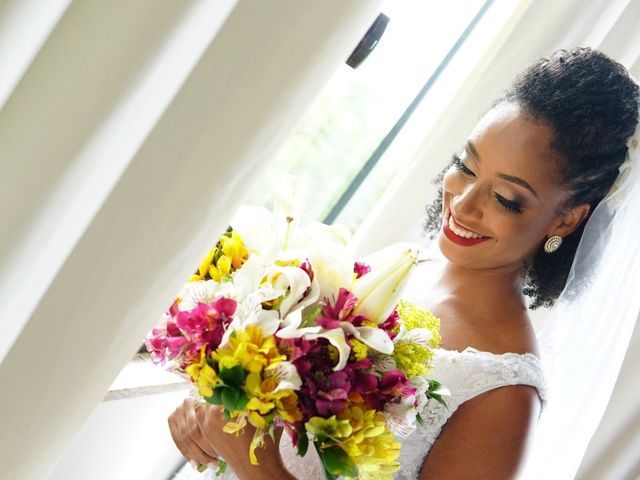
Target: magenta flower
x=183, y=336
x=390, y=324
x=333, y=396
x=395, y=383
x=332, y=315
x=360, y=269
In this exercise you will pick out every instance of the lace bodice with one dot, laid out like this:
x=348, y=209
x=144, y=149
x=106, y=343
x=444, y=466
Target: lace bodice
x=466, y=374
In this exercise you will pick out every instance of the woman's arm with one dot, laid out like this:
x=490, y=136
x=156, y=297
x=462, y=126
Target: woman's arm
x=486, y=437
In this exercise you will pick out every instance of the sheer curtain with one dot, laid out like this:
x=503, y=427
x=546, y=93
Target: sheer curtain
x=129, y=132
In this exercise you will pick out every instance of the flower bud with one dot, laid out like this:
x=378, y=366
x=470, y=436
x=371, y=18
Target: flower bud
x=379, y=290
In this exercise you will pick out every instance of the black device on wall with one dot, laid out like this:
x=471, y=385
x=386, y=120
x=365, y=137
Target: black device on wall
x=368, y=42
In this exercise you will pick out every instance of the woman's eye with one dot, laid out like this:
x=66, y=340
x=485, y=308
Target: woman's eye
x=508, y=204
x=457, y=162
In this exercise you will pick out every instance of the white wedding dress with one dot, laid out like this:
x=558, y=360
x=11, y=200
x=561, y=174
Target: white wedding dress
x=466, y=374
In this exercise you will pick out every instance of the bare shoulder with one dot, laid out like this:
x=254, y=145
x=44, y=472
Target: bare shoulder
x=487, y=437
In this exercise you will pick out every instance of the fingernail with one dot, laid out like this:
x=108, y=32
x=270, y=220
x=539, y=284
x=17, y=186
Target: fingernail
x=194, y=464
x=213, y=465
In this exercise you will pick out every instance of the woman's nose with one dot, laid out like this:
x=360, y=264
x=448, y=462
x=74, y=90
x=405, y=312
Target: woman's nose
x=468, y=203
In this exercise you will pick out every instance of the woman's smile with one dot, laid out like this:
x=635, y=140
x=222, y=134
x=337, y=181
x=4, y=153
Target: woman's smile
x=458, y=234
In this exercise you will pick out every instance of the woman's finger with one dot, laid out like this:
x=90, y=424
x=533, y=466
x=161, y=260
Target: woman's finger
x=187, y=436
x=194, y=429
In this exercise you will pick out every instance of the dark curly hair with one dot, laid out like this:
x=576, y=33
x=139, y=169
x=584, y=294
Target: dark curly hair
x=590, y=104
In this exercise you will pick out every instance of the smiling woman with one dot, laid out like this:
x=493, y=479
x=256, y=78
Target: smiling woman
x=536, y=179
x=490, y=191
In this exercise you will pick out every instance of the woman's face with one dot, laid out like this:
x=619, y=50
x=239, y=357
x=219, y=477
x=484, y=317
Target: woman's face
x=503, y=188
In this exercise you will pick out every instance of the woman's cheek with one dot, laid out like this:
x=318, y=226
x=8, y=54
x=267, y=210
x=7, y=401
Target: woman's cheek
x=453, y=183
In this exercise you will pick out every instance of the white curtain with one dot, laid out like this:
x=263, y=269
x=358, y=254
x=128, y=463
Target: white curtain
x=129, y=132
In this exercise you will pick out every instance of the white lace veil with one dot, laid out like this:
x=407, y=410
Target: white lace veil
x=584, y=337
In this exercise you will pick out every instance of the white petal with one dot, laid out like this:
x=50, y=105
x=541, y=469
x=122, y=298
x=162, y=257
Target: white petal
x=292, y=281
x=373, y=337
x=205, y=291
x=401, y=417
x=286, y=375
x=379, y=290
x=337, y=339
x=256, y=226
x=421, y=336
x=290, y=326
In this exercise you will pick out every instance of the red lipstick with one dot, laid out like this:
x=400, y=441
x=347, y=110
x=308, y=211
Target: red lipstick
x=465, y=242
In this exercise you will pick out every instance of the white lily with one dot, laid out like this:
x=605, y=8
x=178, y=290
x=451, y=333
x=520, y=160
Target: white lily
x=291, y=281
x=379, y=290
x=330, y=256
x=289, y=209
x=257, y=227
x=370, y=336
x=250, y=312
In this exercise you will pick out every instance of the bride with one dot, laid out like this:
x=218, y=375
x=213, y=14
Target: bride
x=513, y=205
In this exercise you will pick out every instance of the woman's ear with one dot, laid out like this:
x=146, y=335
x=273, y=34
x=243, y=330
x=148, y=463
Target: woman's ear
x=569, y=220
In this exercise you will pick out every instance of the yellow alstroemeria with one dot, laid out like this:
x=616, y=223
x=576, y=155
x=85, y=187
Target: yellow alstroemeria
x=234, y=248
x=249, y=349
x=228, y=255
x=203, y=268
x=221, y=269
x=265, y=396
x=370, y=445
x=330, y=427
x=203, y=376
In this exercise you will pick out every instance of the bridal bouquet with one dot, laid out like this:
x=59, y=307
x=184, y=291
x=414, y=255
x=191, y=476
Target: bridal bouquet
x=283, y=328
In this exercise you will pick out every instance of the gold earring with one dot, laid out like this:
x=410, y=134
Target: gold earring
x=552, y=244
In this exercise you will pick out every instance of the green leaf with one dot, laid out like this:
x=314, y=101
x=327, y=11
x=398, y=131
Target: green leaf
x=336, y=462
x=242, y=400
x=230, y=398
x=303, y=443
x=309, y=315
x=419, y=419
x=437, y=397
x=216, y=398
x=234, y=377
x=222, y=467
x=330, y=476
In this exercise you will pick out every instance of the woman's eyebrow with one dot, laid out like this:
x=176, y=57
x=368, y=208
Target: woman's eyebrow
x=471, y=148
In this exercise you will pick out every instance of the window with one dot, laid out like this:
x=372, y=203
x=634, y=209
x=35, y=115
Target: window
x=342, y=139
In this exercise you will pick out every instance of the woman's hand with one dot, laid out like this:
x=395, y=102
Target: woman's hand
x=186, y=434
x=197, y=431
